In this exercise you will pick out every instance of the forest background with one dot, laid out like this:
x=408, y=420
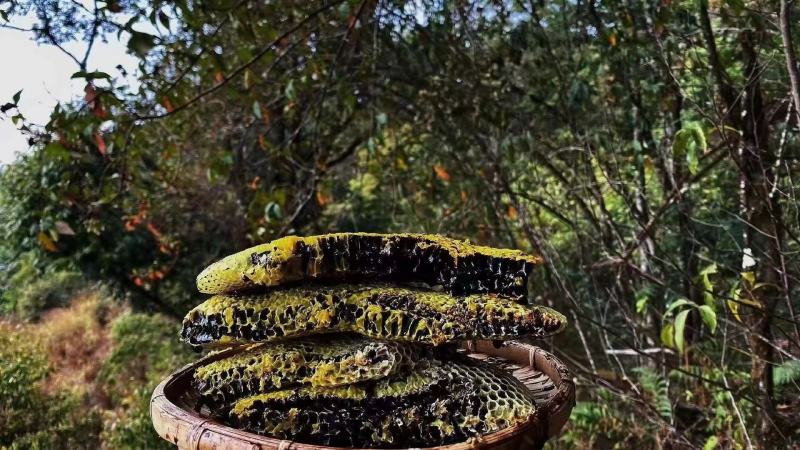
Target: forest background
x=647, y=150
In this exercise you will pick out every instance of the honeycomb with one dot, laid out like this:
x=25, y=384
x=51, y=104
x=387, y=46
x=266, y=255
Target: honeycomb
x=459, y=267
x=334, y=361
x=434, y=404
x=377, y=311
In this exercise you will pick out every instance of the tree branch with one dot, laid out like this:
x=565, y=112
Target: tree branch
x=785, y=17
x=239, y=70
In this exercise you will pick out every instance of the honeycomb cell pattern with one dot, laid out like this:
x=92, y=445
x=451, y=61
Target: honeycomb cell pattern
x=376, y=311
x=457, y=266
x=333, y=361
x=435, y=404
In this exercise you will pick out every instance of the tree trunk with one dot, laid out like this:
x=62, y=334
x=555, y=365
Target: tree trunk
x=763, y=237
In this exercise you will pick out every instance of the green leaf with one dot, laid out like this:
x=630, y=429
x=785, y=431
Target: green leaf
x=692, y=162
x=699, y=137
x=16, y=97
x=667, y=336
x=55, y=150
x=90, y=75
x=709, y=269
x=141, y=43
x=677, y=303
x=711, y=443
x=786, y=373
x=641, y=304
x=382, y=119
x=289, y=91
x=690, y=142
x=709, y=317
x=708, y=287
x=164, y=19
x=733, y=304
x=257, y=110
x=749, y=277
x=680, y=142
x=273, y=212
x=680, y=324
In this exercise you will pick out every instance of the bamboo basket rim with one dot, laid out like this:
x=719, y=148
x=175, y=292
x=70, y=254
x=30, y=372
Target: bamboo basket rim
x=187, y=429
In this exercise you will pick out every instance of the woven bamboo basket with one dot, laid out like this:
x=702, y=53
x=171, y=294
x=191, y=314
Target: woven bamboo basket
x=176, y=418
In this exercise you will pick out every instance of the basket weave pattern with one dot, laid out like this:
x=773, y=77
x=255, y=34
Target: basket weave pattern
x=175, y=418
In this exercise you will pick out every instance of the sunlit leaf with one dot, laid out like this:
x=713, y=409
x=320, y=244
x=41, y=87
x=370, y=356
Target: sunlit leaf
x=101, y=143
x=512, y=213
x=668, y=336
x=46, y=242
x=711, y=443
x=441, y=172
x=676, y=304
x=709, y=317
x=680, y=324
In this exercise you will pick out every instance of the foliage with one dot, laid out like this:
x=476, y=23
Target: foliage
x=50, y=291
x=145, y=350
x=28, y=417
x=645, y=149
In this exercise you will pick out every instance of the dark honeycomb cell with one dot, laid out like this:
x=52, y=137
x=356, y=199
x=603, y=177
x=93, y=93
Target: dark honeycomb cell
x=331, y=361
x=459, y=267
x=434, y=404
x=377, y=311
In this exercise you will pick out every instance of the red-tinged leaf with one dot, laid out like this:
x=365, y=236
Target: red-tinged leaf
x=156, y=275
x=154, y=231
x=254, y=183
x=262, y=142
x=46, y=242
x=265, y=115
x=100, y=142
x=351, y=21
x=612, y=39
x=99, y=111
x=219, y=77
x=322, y=198
x=167, y=104
x=164, y=248
x=89, y=93
x=138, y=281
x=512, y=212
x=463, y=196
x=441, y=173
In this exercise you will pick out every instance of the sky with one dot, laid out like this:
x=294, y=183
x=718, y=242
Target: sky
x=43, y=73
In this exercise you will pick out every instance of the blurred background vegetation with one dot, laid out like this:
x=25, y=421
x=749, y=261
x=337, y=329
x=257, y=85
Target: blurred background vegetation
x=647, y=150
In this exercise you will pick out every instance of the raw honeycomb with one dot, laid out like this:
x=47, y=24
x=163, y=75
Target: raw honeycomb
x=457, y=266
x=434, y=404
x=332, y=361
x=377, y=311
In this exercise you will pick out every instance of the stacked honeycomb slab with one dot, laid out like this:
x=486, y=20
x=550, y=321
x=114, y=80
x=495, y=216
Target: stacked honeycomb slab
x=349, y=339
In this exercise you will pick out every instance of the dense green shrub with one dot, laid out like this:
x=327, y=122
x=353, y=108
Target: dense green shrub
x=50, y=291
x=30, y=418
x=146, y=349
